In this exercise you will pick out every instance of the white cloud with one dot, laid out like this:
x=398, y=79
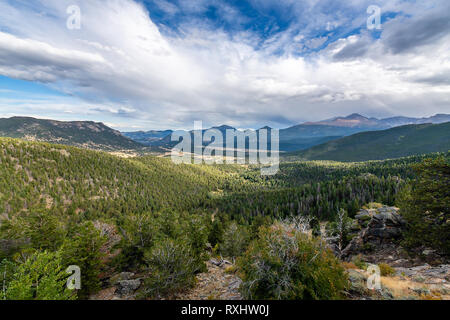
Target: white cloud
x=125, y=70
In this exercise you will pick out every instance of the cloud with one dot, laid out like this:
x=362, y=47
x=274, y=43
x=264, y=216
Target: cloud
x=410, y=34
x=47, y=63
x=167, y=7
x=121, y=67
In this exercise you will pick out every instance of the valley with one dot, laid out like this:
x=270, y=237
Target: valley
x=130, y=209
x=267, y=152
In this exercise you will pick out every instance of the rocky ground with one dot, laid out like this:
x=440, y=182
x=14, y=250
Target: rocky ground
x=422, y=282
x=376, y=240
x=377, y=235
x=216, y=284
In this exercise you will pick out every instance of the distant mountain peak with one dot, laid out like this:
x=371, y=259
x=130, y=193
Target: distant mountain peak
x=355, y=116
x=352, y=120
x=224, y=127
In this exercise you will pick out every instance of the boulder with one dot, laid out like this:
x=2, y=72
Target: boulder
x=127, y=287
x=120, y=277
x=126, y=275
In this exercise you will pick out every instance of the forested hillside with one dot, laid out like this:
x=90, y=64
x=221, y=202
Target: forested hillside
x=387, y=144
x=61, y=205
x=320, y=188
x=71, y=181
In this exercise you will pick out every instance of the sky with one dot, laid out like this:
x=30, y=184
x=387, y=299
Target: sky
x=163, y=64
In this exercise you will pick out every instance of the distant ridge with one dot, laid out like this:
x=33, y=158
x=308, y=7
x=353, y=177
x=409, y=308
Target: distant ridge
x=306, y=135
x=357, y=120
x=85, y=134
x=385, y=144
x=353, y=120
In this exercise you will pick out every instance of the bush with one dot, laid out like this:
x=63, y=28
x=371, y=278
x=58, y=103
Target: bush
x=373, y=205
x=138, y=233
x=41, y=277
x=349, y=265
x=7, y=271
x=283, y=263
x=386, y=270
x=357, y=261
x=172, y=267
x=38, y=230
x=340, y=229
x=215, y=235
x=83, y=250
x=235, y=240
x=198, y=237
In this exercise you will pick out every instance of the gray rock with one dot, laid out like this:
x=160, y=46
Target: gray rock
x=128, y=287
x=215, y=262
x=421, y=291
x=126, y=275
x=358, y=282
x=363, y=215
x=386, y=294
x=384, y=226
x=400, y=263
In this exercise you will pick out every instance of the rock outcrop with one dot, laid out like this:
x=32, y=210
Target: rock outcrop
x=380, y=231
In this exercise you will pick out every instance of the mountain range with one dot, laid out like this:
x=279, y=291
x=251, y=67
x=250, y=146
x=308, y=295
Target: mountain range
x=306, y=135
x=85, y=134
x=350, y=138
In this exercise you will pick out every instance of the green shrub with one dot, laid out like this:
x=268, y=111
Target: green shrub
x=7, y=271
x=83, y=250
x=283, y=263
x=41, y=277
x=39, y=229
x=357, y=261
x=215, y=235
x=340, y=228
x=172, y=268
x=138, y=233
x=198, y=236
x=386, y=270
x=235, y=240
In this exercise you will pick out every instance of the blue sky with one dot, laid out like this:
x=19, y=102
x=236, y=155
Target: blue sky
x=157, y=64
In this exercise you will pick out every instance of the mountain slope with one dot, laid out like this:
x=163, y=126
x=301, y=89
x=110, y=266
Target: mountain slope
x=85, y=134
x=69, y=180
x=293, y=138
x=377, y=145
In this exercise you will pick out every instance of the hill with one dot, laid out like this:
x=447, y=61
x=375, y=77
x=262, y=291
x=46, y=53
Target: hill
x=378, y=145
x=67, y=180
x=86, y=134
